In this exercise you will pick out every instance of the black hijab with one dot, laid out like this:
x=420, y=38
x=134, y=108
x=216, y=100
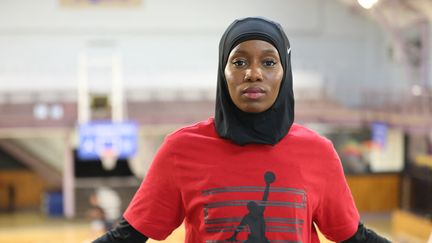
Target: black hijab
x=267, y=127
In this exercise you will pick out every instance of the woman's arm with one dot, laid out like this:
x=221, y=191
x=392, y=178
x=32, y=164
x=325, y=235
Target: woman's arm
x=365, y=235
x=122, y=233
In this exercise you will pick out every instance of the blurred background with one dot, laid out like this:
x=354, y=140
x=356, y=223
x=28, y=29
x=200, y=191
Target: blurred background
x=90, y=88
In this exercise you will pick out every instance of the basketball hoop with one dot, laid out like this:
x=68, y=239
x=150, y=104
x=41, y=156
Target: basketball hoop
x=109, y=158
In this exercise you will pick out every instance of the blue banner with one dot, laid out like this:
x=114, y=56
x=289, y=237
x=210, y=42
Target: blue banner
x=95, y=138
x=379, y=134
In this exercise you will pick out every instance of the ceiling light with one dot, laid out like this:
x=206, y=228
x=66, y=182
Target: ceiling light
x=416, y=90
x=367, y=4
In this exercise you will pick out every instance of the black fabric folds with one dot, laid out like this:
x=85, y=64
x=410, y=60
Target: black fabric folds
x=122, y=233
x=365, y=235
x=267, y=127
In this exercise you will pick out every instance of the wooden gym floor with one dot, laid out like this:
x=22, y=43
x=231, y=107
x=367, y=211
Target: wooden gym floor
x=31, y=227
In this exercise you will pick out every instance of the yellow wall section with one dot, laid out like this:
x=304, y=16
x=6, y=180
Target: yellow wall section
x=29, y=188
x=375, y=193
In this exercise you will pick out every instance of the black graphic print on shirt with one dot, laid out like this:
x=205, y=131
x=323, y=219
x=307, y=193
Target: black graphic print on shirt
x=256, y=225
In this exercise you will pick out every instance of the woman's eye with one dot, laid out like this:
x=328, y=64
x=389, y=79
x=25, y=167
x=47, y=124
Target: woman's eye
x=269, y=63
x=239, y=63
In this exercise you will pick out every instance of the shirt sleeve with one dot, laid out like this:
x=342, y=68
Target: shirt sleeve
x=157, y=207
x=337, y=216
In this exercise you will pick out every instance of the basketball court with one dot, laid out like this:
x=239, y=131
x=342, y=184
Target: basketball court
x=31, y=227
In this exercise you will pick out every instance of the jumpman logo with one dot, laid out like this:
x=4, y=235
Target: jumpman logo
x=255, y=218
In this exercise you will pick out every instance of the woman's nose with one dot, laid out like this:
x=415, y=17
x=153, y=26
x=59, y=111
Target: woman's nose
x=253, y=74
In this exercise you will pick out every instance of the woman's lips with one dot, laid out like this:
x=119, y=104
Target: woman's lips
x=253, y=92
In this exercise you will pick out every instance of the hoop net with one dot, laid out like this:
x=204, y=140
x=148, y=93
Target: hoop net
x=109, y=158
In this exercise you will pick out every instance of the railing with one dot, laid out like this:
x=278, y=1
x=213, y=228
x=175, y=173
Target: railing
x=59, y=108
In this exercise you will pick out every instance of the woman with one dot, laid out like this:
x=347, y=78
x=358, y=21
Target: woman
x=249, y=174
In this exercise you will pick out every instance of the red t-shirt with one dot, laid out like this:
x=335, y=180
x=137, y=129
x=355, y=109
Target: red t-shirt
x=252, y=193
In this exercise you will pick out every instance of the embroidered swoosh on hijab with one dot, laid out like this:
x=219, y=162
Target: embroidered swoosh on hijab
x=267, y=127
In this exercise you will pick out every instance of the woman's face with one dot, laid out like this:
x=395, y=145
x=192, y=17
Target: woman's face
x=254, y=73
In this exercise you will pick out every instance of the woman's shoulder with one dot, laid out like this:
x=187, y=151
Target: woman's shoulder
x=305, y=134
x=302, y=137
x=203, y=128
